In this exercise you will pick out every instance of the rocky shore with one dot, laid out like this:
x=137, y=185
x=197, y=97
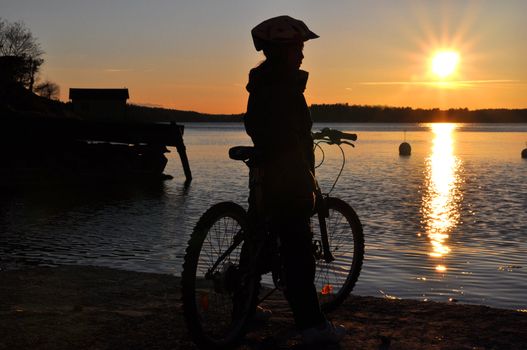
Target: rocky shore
x=79, y=307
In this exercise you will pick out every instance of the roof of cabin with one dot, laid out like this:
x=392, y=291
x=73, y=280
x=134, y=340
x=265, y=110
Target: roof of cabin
x=99, y=94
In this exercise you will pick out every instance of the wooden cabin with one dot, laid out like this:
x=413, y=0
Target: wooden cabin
x=100, y=104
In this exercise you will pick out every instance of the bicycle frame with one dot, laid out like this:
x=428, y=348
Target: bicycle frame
x=262, y=234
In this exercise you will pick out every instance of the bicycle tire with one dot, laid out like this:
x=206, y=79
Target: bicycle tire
x=335, y=281
x=221, y=327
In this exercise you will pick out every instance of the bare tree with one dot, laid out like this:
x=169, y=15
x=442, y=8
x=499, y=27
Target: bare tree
x=48, y=89
x=16, y=40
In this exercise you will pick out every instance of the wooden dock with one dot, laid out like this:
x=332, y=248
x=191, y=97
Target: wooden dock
x=82, y=145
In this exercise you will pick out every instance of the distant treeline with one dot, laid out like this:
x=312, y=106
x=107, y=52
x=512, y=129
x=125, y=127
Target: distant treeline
x=380, y=114
x=344, y=113
x=158, y=114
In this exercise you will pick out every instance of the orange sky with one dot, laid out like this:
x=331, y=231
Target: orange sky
x=196, y=55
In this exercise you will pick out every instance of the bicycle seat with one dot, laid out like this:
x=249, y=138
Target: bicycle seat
x=243, y=153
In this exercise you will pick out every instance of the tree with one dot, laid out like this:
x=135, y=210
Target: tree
x=16, y=40
x=48, y=89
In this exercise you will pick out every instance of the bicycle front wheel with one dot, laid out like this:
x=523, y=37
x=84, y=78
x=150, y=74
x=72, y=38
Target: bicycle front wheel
x=217, y=298
x=335, y=280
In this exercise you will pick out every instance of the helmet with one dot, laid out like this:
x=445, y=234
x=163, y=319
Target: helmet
x=280, y=30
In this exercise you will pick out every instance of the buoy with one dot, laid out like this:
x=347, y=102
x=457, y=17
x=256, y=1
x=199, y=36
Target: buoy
x=404, y=148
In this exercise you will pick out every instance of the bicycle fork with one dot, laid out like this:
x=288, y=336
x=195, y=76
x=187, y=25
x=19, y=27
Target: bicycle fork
x=323, y=213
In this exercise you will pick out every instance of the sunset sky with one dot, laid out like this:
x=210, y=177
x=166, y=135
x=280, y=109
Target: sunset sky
x=195, y=55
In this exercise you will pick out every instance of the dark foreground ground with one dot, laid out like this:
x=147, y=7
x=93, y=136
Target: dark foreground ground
x=74, y=307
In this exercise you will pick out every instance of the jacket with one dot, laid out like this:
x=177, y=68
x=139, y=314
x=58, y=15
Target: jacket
x=279, y=124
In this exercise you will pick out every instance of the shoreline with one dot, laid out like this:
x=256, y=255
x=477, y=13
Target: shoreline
x=86, y=307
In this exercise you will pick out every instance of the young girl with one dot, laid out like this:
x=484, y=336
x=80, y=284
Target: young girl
x=279, y=124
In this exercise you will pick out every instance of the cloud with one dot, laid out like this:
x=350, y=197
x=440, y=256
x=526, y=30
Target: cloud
x=116, y=70
x=447, y=82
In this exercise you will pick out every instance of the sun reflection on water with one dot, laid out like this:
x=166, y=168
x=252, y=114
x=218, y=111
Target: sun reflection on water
x=441, y=199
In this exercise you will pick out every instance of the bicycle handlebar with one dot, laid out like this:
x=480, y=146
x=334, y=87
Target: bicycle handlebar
x=334, y=136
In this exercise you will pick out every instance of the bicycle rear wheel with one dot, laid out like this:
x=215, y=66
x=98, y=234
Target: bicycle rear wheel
x=218, y=298
x=335, y=280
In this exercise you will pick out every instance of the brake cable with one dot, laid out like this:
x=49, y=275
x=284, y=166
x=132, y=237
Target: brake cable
x=341, y=169
x=343, y=161
x=323, y=154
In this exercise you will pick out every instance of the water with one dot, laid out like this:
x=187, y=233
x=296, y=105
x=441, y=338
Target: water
x=448, y=222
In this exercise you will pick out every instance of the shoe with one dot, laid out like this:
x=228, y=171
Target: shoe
x=325, y=333
x=262, y=314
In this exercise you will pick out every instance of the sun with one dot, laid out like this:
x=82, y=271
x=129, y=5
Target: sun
x=444, y=63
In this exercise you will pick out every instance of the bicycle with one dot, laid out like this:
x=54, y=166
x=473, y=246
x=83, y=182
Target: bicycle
x=220, y=295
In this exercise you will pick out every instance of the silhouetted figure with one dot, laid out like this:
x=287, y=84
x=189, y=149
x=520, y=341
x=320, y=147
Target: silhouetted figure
x=279, y=124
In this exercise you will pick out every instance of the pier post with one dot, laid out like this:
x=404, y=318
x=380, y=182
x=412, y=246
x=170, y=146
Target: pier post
x=182, y=150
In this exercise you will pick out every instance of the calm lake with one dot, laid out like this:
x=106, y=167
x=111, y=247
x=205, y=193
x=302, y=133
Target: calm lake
x=448, y=222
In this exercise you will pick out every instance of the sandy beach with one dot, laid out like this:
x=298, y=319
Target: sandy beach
x=80, y=307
